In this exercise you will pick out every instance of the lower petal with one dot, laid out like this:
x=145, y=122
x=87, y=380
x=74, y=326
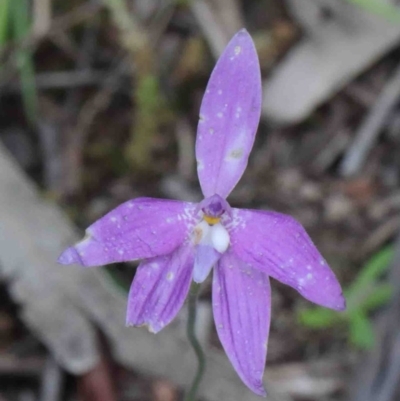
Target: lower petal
x=159, y=289
x=205, y=259
x=279, y=246
x=242, y=303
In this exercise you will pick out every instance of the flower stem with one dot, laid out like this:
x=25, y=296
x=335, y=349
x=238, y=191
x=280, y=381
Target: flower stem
x=191, y=333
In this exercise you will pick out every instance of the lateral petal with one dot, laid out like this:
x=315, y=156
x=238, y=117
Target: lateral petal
x=159, y=289
x=242, y=309
x=229, y=116
x=137, y=229
x=279, y=246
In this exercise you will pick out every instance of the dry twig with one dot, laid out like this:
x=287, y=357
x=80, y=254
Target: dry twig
x=368, y=133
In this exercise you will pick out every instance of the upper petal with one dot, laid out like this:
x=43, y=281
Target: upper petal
x=242, y=306
x=159, y=289
x=229, y=116
x=279, y=246
x=139, y=228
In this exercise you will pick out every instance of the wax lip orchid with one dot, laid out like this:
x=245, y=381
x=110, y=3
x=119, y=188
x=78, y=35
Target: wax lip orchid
x=180, y=242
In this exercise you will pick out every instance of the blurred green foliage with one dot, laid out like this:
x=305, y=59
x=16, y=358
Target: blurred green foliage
x=4, y=9
x=148, y=117
x=366, y=293
x=15, y=26
x=149, y=105
x=379, y=7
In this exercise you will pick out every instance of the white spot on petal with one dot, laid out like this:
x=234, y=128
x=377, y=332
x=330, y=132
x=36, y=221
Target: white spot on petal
x=170, y=276
x=219, y=238
x=238, y=49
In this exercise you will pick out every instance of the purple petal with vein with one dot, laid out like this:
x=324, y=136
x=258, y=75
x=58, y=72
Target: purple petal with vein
x=159, y=289
x=242, y=309
x=140, y=228
x=229, y=116
x=280, y=247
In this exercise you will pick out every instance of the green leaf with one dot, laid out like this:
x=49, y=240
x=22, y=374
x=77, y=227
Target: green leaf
x=361, y=331
x=379, y=7
x=28, y=85
x=380, y=296
x=364, y=294
x=20, y=18
x=21, y=28
x=4, y=21
x=318, y=318
x=366, y=280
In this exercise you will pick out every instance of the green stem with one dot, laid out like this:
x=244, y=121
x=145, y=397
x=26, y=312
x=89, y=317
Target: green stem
x=191, y=333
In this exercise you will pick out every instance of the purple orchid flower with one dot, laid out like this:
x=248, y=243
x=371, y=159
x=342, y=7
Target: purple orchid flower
x=180, y=241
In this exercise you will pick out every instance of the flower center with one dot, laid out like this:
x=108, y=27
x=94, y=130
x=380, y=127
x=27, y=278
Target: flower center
x=211, y=220
x=210, y=231
x=210, y=236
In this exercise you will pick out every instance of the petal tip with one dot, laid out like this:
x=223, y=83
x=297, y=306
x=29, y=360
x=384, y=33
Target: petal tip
x=151, y=329
x=341, y=304
x=243, y=32
x=337, y=303
x=259, y=389
x=70, y=256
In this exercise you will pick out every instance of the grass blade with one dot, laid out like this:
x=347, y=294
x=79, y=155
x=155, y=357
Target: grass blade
x=21, y=28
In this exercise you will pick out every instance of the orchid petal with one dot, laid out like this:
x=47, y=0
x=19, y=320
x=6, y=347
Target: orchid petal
x=229, y=116
x=159, y=289
x=137, y=229
x=279, y=246
x=242, y=305
x=205, y=259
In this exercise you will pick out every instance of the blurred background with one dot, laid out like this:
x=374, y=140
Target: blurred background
x=99, y=103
